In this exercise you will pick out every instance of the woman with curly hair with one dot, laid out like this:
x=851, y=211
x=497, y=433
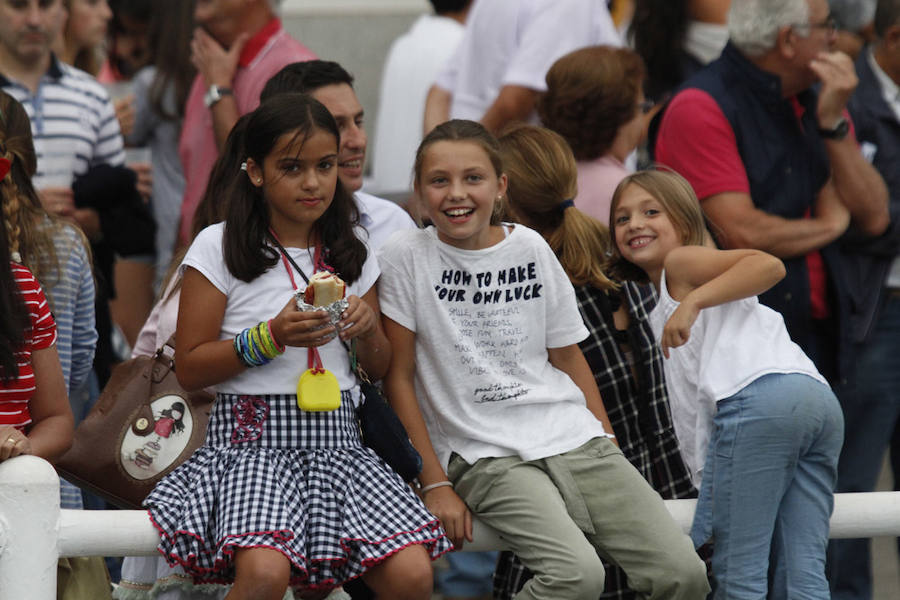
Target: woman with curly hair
x=594, y=100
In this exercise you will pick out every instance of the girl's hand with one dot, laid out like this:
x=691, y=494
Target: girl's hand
x=678, y=328
x=306, y=329
x=453, y=513
x=13, y=443
x=358, y=320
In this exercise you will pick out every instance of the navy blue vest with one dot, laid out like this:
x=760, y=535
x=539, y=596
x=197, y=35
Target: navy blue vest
x=787, y=164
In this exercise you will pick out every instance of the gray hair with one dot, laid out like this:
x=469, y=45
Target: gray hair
x=753, y=24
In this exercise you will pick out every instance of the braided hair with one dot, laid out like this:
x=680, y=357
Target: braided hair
x=14, y=320
x=30, y=228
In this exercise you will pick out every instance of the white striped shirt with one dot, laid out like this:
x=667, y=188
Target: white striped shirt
x=73, y=123
x=70, y=292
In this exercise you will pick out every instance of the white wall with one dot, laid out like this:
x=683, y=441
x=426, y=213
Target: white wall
x=355, y=33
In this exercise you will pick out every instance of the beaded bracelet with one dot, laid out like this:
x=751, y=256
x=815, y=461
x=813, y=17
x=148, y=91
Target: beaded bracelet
x=256, y=346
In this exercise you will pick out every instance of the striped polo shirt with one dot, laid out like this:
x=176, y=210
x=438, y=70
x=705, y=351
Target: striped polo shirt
x=73, y=123
x=16, y=394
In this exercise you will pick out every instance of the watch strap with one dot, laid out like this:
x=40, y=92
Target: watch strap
x=838, y=132
x=214, y=94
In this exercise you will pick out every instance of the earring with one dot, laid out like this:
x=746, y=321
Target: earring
x=259, y=180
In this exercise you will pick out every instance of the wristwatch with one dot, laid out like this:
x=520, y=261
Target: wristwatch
x=838, y=132
x=214, y=94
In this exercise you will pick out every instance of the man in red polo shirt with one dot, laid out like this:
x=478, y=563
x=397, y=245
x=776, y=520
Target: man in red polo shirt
x=237, y=47
x=776, y=167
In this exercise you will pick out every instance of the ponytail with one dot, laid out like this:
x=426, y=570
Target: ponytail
x=583, y=246
x=543, y=180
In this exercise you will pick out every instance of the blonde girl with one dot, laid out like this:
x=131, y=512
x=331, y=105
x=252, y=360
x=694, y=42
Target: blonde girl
x=621, y=350
x=756, y=421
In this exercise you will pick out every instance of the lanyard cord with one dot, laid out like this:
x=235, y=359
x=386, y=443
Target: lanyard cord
x=313, y=359
x=285, y=257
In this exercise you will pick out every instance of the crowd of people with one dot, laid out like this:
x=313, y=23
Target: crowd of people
x=630, y=251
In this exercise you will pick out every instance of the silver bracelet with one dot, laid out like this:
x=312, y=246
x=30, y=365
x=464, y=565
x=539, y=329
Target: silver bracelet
x=428, y=488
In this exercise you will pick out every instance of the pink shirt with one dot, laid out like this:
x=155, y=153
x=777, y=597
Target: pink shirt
x=597, y=180
x=263, y=56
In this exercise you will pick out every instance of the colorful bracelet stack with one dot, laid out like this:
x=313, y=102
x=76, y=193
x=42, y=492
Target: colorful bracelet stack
x=256, y=346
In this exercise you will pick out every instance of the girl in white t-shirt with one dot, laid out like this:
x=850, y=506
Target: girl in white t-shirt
x=753, y=416
x=281, y=494
x=489, y=380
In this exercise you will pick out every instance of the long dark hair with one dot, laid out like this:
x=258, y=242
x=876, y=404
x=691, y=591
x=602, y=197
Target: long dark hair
x=247, y=253
x=171, y=28
x=14, y=319
x=657, y=29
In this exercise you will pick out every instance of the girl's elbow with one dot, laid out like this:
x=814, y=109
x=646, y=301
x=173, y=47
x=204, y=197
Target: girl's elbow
x=777, y=269
x=188, y=381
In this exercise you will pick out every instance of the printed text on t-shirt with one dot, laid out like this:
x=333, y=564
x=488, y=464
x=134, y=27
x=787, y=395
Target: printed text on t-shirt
x=490, y=338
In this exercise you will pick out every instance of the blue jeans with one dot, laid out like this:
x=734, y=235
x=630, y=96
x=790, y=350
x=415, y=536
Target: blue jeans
x=871, y=411
x=469, y=574
x=767, y=490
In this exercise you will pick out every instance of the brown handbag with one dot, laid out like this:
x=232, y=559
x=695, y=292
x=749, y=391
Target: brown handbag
x=142, y=427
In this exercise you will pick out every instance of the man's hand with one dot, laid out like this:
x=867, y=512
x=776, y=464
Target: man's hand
x=144, y=182
x=216, y=64
x=838, y=76
x=125, y=113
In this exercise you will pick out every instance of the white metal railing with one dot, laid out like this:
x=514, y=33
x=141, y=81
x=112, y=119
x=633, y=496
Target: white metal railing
x=34, y=532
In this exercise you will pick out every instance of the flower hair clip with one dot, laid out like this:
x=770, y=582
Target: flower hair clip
x=5, y=165
x=244, y=166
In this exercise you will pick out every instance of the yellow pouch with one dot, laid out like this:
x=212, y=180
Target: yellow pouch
x=318, y=391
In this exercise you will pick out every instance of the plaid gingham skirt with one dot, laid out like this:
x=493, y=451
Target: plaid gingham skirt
x=273, y=476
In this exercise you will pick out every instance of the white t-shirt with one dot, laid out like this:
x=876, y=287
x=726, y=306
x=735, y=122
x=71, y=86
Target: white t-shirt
x=483, y=321
x=262, y=299
x=515, y=42
x=380, y=218
x=730, y=346
x=412, y=65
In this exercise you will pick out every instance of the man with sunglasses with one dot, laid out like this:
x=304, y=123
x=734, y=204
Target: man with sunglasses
x=764, y=137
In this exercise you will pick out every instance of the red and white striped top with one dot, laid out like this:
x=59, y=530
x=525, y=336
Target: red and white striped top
x=15, y=394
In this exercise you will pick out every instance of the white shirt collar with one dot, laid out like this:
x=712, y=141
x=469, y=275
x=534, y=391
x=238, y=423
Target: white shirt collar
x=365, y=212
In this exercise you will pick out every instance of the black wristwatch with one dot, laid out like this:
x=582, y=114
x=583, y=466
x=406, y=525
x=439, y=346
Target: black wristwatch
x=214, y=94
x=838, y=132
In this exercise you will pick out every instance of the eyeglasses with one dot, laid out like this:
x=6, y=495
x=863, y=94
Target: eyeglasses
x=829, y=25
x=646, y=106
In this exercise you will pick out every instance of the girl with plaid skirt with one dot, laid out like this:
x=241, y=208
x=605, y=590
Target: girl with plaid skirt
x=281, y=494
